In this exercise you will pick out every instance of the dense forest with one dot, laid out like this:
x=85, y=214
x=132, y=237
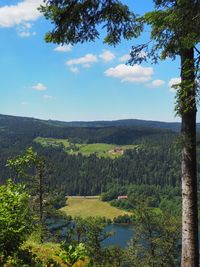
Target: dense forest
x=156, y=161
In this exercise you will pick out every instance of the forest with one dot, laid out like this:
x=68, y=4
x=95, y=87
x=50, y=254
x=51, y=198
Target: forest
x=148, y=174
x=156, y=161
x=46, y=165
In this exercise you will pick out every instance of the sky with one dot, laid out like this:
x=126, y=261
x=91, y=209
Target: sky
x=83, y=82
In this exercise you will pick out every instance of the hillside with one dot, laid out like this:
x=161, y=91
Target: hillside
x=79, y=160
x=89, y=170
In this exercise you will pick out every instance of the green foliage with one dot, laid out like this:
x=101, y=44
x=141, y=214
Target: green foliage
x=83, y=16
x=21, y=162
x=167, y=198
x=113, y=192
x=16, y=221
x=122, y=204
x=123, y=219
x=30, y=167
x=155, y=241
x=72, y=254
x=91, y=232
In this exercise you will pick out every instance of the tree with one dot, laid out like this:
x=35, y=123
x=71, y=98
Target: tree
x=91, y=232
x=155, y=242
x=174, y=32
x=20, y=164
x=16, y=220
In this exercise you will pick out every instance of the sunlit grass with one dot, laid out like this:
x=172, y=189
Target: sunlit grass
x=84, y=208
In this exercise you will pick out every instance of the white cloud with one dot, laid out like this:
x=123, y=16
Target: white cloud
x=23, y=12
x=24, y=30
x=74, y=70
x=39, y=87
x=63, y=48
x=24, y=34
x=156, y=83
x=48, y=97
x=85, y=61
x=124, y=58
x=173, y=82
x=107, y=56
x=28, y=25
x=135, y=73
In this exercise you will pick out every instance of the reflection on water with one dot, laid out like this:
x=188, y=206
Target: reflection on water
x=123, y=234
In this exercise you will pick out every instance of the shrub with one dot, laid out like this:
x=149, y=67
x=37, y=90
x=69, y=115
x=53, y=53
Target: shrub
x=16, y=220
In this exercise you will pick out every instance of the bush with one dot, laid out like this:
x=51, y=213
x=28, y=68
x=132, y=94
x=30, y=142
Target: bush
x=16, y=220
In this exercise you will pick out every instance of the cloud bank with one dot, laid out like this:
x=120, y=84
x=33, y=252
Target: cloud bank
x=24, y=11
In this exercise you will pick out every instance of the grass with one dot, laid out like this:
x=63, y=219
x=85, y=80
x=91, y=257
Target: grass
x=84, y=208
x=100, y=149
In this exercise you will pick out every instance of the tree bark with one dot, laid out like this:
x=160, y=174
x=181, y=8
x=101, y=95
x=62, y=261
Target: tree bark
x=187, y=98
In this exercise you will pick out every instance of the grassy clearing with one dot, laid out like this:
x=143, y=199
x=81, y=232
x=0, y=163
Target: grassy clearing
x=100, y=149
x=84, y=208
x=51, y=142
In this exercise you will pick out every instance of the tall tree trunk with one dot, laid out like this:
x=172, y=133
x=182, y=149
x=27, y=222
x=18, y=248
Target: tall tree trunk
x=187, y=98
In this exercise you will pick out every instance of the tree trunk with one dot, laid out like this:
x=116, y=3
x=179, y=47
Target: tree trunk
x=187, y=98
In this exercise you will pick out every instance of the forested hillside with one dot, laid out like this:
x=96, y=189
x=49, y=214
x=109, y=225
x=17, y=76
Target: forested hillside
x=155, y=161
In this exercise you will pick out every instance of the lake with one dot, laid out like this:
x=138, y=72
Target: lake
x=123, y=234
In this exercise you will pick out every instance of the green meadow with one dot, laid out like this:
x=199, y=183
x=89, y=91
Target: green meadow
x=100, y=149
x=87, y=207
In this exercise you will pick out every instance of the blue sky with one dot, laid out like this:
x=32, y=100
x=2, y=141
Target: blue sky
x=84, y=82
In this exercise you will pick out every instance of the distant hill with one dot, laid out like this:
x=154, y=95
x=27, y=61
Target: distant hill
x=174, y=126
x=116, y=132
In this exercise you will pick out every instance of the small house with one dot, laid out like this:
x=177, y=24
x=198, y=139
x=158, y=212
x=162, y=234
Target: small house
x=122, y=197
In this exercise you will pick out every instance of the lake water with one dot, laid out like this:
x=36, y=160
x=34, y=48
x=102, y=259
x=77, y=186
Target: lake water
x=123, y=234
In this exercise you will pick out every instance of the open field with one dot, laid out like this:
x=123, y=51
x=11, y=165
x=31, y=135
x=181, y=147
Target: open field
x=100, y=149
x=85, y=207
